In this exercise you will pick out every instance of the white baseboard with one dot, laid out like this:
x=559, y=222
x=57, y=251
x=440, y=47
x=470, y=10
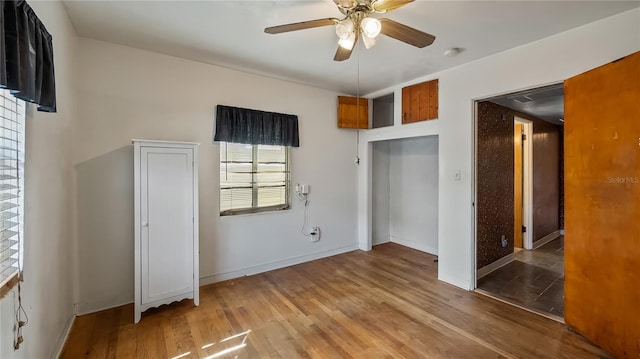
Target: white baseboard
x=100, y=309
x=496, y=265
x=546, y=239
x=63, y=339
x=461, y=283
x=378, y=243
x=265, y=267
x=417, y=246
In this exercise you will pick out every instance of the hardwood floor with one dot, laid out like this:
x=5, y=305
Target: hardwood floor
x=386, y=303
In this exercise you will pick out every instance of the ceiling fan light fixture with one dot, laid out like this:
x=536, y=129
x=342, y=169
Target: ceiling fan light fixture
x=360, y=21
x=344, y=29
x=348, y=43
x=370, y=27
x=369, y=42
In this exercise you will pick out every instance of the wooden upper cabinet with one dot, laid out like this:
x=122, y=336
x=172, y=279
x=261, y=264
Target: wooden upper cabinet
x=348, y=112
x=420, y=102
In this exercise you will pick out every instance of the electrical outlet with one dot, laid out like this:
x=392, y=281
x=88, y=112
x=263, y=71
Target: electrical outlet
x=503, y=241
x=315, y=234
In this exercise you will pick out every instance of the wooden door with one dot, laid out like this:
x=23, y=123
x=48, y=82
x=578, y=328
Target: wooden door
x=415, y=103
x=517, y=185
x=602, y=205
x=353, y=112
x=420, y=102
x=167, y=215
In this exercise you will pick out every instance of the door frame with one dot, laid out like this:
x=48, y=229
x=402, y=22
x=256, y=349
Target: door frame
x=474, y=171
x=527, y=179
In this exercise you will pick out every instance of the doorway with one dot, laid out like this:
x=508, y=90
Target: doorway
x=519, y=206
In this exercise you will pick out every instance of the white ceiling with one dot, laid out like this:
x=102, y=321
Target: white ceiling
x=231, y=34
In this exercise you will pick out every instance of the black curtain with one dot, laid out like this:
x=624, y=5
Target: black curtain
x=26, y=56
x=241, y=125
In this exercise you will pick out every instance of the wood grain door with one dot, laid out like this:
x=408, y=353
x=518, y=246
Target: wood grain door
x=602, y=208
x=517, y=185
x=353, y=112
x=420, y=102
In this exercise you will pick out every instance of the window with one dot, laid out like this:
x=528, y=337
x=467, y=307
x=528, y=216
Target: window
x=12, y=113
x=253, y=178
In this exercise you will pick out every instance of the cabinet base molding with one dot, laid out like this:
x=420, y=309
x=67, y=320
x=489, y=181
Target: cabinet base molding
x=139, y=308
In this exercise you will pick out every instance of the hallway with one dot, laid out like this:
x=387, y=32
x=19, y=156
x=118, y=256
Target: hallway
x=534, y=280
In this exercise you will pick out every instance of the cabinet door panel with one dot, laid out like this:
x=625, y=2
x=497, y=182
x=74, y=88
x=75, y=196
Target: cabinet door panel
x=406, y=104
x=167, y=222
x=353, y=112
x=433, y=100
x=420, y=102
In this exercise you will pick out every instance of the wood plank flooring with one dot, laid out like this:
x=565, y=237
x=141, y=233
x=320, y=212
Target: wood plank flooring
x=386, y=303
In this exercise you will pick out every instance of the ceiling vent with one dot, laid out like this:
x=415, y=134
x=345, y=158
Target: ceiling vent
x=521, y=98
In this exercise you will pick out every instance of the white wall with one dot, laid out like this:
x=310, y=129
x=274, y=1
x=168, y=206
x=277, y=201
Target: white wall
x=126, y=93
x=381, y=204
x=48, y=287
x=546, y=61
x=414, y=193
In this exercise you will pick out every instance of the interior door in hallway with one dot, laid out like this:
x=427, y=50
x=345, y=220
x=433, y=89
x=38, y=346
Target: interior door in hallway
x=602, y=194
x=517, y=185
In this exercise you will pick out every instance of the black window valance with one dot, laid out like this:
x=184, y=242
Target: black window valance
x=26, y=55
x=241, y=125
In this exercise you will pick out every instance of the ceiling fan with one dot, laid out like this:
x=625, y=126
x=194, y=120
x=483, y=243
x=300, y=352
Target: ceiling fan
x=358, y=23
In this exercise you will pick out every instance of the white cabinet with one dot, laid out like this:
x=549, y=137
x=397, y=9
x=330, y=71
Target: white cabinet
x=166, y=223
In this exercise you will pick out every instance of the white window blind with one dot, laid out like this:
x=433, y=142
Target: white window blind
x=253, y=178
x=12, y=113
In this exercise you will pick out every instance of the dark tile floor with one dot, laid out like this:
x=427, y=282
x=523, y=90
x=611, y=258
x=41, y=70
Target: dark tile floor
x=534, y=280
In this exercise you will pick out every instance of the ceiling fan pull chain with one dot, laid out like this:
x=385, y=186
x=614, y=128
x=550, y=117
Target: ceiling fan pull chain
x=357, y=160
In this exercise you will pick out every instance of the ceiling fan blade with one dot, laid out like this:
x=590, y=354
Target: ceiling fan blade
x=342, y=53
x=388, y=5
x=300, y=25
x=406, y=34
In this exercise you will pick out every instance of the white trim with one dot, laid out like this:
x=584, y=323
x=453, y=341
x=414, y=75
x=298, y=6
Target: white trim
x=427, y=128
x=137, y=250
x=100, y=309
x=546, y=239
x=496, y=265
x=164, y=143
x=195, y=162
x=63, y=340
x=474, y=198
x=414, y=245
x=265, y=267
